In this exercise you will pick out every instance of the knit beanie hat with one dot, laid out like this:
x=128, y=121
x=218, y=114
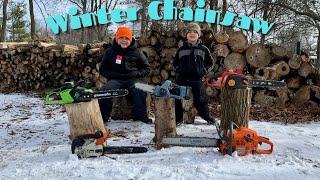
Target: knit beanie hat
x=124, y=32
x=194, y=27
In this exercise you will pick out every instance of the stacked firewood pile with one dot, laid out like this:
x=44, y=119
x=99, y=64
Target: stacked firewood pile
x=39, y=65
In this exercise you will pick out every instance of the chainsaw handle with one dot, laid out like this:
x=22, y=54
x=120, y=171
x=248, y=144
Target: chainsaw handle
x=264, y=151
x=214, y=84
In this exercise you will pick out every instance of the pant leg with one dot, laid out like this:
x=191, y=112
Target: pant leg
x=139, y=110
x=106, y=104
x=178, y=103
x=200, y=99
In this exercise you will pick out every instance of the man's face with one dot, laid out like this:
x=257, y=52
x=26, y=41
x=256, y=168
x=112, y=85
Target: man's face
x=192, y=36
x=124, y=42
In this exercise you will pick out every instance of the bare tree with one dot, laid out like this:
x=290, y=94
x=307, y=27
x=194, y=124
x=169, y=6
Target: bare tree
x=33, y=24
x=4, y=21
x=307, y=10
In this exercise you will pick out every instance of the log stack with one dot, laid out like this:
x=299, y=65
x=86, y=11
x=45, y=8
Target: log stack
x=38, y=65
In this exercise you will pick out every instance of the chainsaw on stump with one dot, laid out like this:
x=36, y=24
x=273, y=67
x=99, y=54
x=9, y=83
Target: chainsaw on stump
x=166, y=90
x=237, y=80
x=95, y=145
x=75, y=93
x=243, y=140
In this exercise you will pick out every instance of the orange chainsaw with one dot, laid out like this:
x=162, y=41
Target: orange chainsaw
x=244, y=141
x=237, y=80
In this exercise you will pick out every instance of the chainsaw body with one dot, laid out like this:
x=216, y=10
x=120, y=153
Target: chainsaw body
x=95, y=145
x=246, y=141
x=237, y=80
x=166, y=90
x=71, y=93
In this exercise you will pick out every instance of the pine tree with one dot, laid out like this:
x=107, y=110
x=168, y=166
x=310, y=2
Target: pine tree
x=17, y=26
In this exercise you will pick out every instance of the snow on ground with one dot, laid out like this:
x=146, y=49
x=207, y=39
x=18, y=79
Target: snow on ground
x=34, y=144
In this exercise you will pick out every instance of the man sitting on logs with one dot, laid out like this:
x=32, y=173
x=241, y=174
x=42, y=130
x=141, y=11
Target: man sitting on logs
x=191, y=63
x=123, y=65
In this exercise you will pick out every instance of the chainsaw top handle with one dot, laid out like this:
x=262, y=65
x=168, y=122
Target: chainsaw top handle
x=266, y=141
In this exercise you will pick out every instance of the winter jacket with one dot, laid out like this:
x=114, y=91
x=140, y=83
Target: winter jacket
x=192, y=61
x=124, y=64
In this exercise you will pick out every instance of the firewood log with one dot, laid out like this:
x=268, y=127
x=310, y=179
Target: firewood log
x=238, y=42
x=258, y=56
x=234, y=61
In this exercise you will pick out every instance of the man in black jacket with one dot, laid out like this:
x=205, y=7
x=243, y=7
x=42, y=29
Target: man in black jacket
x=191, y=63
x=123, y=65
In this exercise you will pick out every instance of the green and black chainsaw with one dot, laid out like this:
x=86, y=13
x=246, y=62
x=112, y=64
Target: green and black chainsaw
x=75, y=93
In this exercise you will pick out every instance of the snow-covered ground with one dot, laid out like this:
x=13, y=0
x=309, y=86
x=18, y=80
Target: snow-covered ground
x=34, y=144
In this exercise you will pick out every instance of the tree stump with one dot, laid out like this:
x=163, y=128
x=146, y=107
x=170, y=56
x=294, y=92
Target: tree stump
x=189, y=112
x=235, y=107
x=84, y=118
x=165, y=122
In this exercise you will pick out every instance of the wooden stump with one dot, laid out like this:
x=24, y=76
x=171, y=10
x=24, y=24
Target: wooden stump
x=235, y=106
x=121, y=108
x=189, y=112
x=84, y=118
x=165, y=123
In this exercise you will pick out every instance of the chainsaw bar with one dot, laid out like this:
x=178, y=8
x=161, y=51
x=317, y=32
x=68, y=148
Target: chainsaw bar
x=191, y=141
x=243, y=82
x=268, y=83
x=145, y=87
x=124, y=149
x=102, y=95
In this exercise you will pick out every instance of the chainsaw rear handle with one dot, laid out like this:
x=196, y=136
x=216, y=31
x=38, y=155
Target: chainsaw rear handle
x=264, y=151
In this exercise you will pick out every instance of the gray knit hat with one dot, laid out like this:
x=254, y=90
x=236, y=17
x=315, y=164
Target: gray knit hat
x=194, y=27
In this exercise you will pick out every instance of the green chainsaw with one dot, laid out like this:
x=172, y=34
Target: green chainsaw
x=74, y=93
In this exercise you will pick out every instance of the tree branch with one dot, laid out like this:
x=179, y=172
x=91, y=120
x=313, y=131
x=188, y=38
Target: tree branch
x=310, y=14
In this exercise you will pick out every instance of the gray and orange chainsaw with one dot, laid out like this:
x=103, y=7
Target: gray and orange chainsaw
x=95, y=145
x=242, y=140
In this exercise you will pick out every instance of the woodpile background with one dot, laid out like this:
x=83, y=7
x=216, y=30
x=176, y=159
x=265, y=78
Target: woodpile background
x=40, y=65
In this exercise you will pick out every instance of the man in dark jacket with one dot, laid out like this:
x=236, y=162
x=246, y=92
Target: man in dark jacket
x=123, y=65
x=191, y=63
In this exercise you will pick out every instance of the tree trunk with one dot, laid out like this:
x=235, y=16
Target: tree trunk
x=84, y=118
x=4, y=21
x=318, y=49
x=165, y=123
x=235, y=107
x=33, y=24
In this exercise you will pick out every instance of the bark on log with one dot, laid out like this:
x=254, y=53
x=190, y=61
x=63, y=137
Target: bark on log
x=165, y=123
x=84, y=117
x=189, y=112
x=294, y=82
x=235, y=107
x=278, y=52
x=302, y=95
x=305, y=70
x=264, y=100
